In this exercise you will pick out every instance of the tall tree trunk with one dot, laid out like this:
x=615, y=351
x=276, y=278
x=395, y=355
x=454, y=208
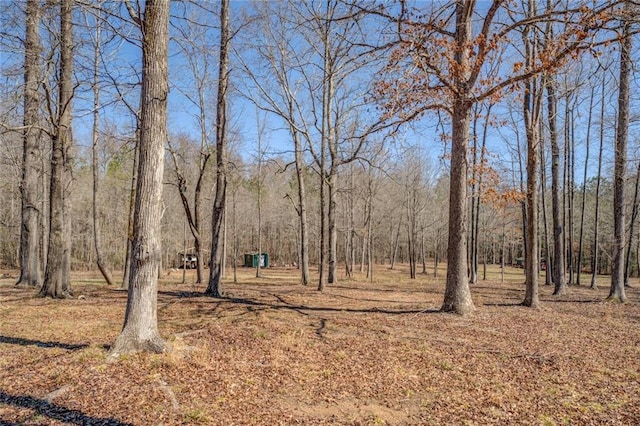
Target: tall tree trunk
x=457, y=296
x=332, y=186
x=570, y=146
x=56, y=281
x=634, y=219
x=259, y=206
x=132, y=206
x=30, y=229
x=217, y=239
x=531, y=261
x=436, y=255
x=322, y=255
x=472, y=242
x=325, y=144
x=596, y=246
x=532, y=105
x=411, y=228
x=560, y=286
x=140, y=330
x=395, y=243
x=478, y=197
x=66, y=88
x=543, y=197
x=584, y=187
x=302, y=211
x=616, y=292
x=97, y=237
x=350, y=237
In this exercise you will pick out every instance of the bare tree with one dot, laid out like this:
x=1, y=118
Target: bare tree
x=442, y=63
x=29, y=230
x=584, y=184
x=596, y=246
x=560, y=286
x=532, y=103
x=97, y=236
x=219, y=204
x=194, y=44
x=56, y=280
x=140, y=330
x=617, y=293
x=274, y=88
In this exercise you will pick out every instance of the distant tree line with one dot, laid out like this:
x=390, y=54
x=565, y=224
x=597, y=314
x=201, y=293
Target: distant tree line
x=332, y=135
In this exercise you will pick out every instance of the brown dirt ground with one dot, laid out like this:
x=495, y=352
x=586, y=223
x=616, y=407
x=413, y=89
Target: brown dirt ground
x=361, y=352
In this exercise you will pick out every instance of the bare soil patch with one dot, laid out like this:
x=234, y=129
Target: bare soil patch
x=361, y=352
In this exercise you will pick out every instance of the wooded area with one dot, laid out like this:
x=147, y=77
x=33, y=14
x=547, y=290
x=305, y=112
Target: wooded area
x=376, y=165
x=280, y=353
x=345, y=134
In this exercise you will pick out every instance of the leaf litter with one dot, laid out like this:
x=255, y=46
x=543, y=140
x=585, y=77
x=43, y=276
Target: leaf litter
x=359, y=353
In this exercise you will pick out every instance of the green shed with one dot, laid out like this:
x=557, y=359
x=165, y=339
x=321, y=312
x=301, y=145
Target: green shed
x=251, y=260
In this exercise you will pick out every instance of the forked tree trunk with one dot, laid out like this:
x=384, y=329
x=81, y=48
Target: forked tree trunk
x=217, y=238
x=140, y=331
x=56, y=281
x=30, y=229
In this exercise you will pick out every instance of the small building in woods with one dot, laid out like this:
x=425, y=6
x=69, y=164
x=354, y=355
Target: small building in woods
x=251, y=260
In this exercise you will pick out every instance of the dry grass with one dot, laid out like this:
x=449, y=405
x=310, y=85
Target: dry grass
x=361, y=352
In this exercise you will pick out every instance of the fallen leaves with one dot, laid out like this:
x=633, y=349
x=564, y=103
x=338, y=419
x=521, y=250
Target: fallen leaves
x=359, y=353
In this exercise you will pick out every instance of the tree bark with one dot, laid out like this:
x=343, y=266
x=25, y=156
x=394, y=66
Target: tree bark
x=616, y=292
x=543, y=188
x=56, y=281
x=570, y=147
x=30, y=229
x=132, y=206
x=532, y=107
x=140, y=330
x=560, y=286
x=302, y=211
x=457, y=297
x=332, y=186
x=217, y=239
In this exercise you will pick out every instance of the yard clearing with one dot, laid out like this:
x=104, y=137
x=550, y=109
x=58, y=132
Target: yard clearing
x=361, y=352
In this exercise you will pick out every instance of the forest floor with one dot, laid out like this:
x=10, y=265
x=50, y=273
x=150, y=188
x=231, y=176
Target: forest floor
x=361, y=352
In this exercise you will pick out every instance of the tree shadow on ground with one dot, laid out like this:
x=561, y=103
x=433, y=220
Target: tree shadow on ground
x=504, y=304
x=28, y=342
x=56, y=412
x=284, y=305
x=183, y=294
